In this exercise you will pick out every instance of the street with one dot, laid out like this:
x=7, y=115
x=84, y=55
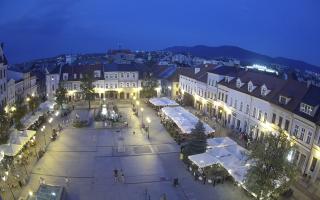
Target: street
x=88, y=156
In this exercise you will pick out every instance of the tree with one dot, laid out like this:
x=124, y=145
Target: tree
x=33, y=102
x=87, y=88
x=4, y=126
x=61, y=95
x=198, y=142
x=149, y=87
x=20, y=111
x=273, y=170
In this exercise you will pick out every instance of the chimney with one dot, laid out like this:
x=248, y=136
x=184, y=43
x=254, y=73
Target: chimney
x=196, y=70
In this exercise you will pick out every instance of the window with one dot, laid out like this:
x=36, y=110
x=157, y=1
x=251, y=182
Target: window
x=263, y=90
x=231, y=101
x=241, y=106
x=222, y=96
x=97, y=74
x=107, y=86
x=306, y=108
x=238, y=83
x=302, y=134
x=81, y=76
x=226, y=99
x=313, y=164
x=286, y=125
x=283, y=100
x=128, y=75
x=296, y=130
x=106, y=76
x=260, y=115
x=115, y=75
x=309, y=137
x=250, y=86
x=236, y=104
x=115, y=85
x=121, y=75
x=254, y=112
x=74, y=76
x=133, y=75
x=128, y=85
x=65, y=76
x=280, y=121
x=133, y=84
x=265, y=117
x=273, y=118
x=247, y=109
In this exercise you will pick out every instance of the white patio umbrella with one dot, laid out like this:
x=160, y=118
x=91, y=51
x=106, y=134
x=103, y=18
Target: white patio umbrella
x=10, y=149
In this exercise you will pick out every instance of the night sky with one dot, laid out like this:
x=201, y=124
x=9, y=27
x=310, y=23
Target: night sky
x=43, y=28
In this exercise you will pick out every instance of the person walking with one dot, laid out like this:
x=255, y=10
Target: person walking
x=115, y=174
x=121, y=176
x=66, y=179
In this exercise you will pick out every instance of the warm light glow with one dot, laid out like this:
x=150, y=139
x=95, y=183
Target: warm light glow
x=50, y=120
x=148, y=120
x=137, y=102
x=28, y=99
x=169, y=87
x=57, y=113
x=141, y=109
x=30, y=193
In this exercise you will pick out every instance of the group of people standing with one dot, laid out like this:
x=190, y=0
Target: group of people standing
x=118, y=175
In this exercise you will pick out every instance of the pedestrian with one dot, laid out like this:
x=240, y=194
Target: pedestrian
x=20, y=183
x=115, y=174
x=66, y=179
x=134, y=132
x=121, y=176
x=42, y=181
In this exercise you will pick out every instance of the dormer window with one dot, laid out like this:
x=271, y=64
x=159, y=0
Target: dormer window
x=283, y=100
x=264, y=90
x=97, y=74
x=65, y=76
x=239, y=84
x=250, y=86
x=306, y=108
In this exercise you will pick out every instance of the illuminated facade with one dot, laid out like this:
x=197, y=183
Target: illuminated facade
x=260, y=103
x=111, y=81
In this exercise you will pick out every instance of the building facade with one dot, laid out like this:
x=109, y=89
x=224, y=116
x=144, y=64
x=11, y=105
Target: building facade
x=258, y=104
x=3, y=78
x=114, y=81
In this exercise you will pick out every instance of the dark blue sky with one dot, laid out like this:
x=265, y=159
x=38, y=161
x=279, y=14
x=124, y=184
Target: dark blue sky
x=43, y=28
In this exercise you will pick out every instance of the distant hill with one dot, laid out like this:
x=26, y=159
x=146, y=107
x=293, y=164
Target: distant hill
x=245, y=56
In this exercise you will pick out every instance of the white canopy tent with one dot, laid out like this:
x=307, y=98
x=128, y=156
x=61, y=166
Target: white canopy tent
x=203, y=160
x=30, y=119
x=220, y=142
x=162, y=102
x=16, y=142
x=10, y=149
x=47, y=106
x=232, y=157
x=185, y=120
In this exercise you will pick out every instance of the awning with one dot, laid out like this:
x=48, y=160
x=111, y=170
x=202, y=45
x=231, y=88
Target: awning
x=185, y=120
x=10, y=149
x=162, y=102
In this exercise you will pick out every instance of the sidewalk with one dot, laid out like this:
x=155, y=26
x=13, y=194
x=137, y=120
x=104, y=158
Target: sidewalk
x=21, y=171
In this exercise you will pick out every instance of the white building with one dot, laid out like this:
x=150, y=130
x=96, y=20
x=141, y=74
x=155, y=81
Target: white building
x=110, y=81
x=259, y=103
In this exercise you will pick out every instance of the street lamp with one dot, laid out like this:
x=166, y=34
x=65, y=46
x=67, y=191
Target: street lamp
x=149, y=121
x=4, y=179
x=141, y=115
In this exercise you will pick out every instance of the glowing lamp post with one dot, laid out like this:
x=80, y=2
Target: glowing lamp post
x=44, y=135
